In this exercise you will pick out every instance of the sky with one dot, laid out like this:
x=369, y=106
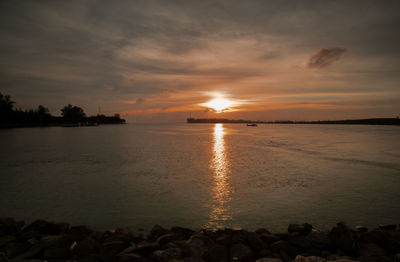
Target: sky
x=164, y=60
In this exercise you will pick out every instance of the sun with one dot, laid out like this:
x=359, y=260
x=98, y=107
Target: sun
x=219, y=104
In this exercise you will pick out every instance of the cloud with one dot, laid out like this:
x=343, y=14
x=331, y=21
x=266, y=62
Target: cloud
x=326, y=56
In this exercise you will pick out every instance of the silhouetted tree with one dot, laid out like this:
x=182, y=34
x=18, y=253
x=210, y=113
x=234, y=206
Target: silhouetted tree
x=5, y=103
x=72, y=114
x=6, y=108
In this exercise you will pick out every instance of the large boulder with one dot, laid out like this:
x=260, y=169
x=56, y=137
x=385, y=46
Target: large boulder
x=342, y=237
x=166, y=255
x=285, y=247
x=44, y=227
x=241, y=252
x=300, y=229
x=318, y=239
x=9, y=226
x=156, y=232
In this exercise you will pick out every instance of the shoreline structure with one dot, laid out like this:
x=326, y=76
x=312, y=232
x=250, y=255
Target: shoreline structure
x=49, y=241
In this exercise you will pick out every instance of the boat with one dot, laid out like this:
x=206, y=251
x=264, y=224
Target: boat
x=251, y=124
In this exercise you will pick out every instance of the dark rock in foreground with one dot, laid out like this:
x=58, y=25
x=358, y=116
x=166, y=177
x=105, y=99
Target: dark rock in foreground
x=48, y=241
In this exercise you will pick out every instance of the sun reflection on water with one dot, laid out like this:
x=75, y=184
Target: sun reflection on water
x=221, y=189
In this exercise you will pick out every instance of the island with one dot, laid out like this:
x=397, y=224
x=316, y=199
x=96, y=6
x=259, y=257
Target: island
x=71, y=116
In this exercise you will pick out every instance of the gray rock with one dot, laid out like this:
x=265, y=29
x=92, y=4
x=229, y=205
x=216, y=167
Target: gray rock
x=318, y=240
x=46, y=228
x=167, y=254
x=309, y=259
x=145, y=248
x=88, y=247
x=301, y=229
x=341, y=237
x=241, y=252
x=269, y=259
x=166, y=238
x=269, y=238
x=284, y=246
x=80, y=232
x=216, y=253
x=198, y=244
x=9, y=226
x=388, y=227
x=130, y=258
x=156, y=232
x=361, y=229
x=56, y=253
x=371, y=250
x=7, y=239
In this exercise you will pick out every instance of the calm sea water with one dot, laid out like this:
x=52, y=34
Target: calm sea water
x=202, y=175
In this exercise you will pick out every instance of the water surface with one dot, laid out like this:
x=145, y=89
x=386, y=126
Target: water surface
x=202, y=175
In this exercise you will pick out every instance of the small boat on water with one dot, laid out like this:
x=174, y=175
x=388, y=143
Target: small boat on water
x=251, y=124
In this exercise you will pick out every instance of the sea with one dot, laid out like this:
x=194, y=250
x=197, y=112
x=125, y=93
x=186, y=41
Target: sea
x=209, y=176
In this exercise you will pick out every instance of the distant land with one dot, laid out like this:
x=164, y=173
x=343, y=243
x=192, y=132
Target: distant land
x=368, y=121
x=71, y=116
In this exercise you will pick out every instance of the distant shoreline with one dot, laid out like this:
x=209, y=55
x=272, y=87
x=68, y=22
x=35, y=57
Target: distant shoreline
x=44, y=240
x=9, y=126
x=369, y=121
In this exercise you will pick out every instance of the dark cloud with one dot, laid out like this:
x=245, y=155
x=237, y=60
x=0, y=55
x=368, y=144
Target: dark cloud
x=326, y=56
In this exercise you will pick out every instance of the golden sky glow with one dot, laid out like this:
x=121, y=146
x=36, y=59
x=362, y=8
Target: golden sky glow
x=219, y=104
x=266, y=59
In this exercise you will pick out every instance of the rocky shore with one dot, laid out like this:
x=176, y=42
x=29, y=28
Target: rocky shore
x=48, y=241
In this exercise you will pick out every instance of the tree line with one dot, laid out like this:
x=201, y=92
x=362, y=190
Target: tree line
x=70, y=115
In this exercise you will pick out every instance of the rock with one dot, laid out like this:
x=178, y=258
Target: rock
x=183, y=233
x=269, y=238
x=301, y=229
x=80, y=232
x=44, y=227
x=265, y=253
x=167, y=254
x=128, y=250
x=115, y=247
x=309, y=259
x=130, y=258
x=254, y=241
x=9, y=226
x=361, y=229
x=371, y=250
x=388, y=227
x=3, y=257
x=341, y=237
x=269, y=259
x=156, y=232
x=145, y=248
x=241, y=252
x=193, y=259
x=216, y=253
x=56, y=253
x=262, y=231
x=7, y=239
x=199, y=244
x=13, y=249
x=284, y=246
x=318, y=240
x=382, y=238
x=300, y=242
x=224, y=239
x=88, y=247
x=164, y=239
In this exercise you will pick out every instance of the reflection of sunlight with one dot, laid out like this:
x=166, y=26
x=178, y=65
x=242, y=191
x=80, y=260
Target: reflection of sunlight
x=221, y=189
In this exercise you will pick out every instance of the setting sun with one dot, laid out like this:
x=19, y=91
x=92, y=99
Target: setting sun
x=219, y=104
